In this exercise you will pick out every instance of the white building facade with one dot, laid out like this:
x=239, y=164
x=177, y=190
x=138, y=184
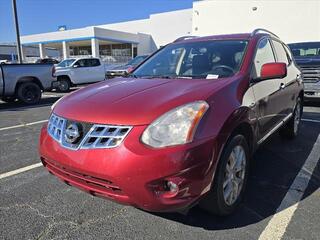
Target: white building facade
x=292, y=20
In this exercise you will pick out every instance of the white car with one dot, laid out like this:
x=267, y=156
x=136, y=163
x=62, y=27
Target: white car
x=76, y=71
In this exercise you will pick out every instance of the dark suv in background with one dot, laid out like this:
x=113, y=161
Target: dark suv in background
x=307, y=57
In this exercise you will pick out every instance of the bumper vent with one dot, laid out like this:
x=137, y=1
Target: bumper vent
x=79, y=135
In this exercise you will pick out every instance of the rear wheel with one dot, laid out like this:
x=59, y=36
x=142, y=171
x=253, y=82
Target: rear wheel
x=29, y=93
x=291, y=128
x=230, y=180
x=64, y=84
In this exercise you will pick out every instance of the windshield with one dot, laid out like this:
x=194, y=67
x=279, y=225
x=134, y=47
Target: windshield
x=305, y=49
x=66, y=63
x=209, y=59
x=136, y=61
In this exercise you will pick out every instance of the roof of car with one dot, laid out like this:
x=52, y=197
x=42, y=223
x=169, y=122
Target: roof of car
x=238, y=36
x=78, y=58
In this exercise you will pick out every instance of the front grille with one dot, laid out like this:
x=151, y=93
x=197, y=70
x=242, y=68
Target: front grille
x=311, y=74
x=85, y=135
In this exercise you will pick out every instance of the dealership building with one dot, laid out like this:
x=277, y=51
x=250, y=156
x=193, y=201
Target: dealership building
x=293, y=21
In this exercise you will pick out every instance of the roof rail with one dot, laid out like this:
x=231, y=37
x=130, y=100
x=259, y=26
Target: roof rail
x=184, y=38
x=262, y=30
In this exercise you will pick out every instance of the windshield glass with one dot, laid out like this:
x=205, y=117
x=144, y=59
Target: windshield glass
x=305, y=49
x=66, y=63
x=137, y=60
x=209, y=59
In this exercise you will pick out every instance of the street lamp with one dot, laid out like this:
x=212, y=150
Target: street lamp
x=15, y=16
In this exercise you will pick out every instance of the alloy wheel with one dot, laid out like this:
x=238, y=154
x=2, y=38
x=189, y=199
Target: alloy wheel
x=297, y=116
x=234, y=175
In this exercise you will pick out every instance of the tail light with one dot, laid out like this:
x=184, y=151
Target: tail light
x=53, y=71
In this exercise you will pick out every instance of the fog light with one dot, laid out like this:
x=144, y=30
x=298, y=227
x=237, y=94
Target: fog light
x=167, y=188
x=172, y=187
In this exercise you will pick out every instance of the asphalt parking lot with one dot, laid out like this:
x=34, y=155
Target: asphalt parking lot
x=282, y=197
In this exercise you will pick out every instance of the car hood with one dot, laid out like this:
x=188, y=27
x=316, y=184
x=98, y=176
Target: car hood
x=131, y=101
x=120, y=68
x=60, y=69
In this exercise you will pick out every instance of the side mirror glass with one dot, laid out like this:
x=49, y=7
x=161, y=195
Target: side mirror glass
x=273, y=70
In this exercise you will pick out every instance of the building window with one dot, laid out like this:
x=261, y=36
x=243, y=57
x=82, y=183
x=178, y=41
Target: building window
x=80, y=50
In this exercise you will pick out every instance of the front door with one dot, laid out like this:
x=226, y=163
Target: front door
x=80, y=72
x=267, y=92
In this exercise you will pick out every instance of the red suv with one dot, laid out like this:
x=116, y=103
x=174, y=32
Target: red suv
x=181, y=129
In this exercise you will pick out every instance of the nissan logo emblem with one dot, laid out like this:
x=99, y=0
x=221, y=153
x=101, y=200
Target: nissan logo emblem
x=72, y=133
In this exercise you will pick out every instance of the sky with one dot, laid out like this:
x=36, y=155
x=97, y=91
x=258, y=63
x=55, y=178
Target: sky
x=39, y=16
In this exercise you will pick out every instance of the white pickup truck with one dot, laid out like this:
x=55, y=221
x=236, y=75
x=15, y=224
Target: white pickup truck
x=76, y=71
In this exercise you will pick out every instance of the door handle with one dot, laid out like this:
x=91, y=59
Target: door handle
x=253, y=104
x=282, y=86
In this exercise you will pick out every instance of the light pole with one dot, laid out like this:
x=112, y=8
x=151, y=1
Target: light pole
x=15, y=16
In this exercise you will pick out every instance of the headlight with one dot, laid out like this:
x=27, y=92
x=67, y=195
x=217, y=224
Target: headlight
x=176, y=126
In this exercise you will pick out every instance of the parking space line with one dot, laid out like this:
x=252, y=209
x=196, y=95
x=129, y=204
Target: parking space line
x=278, y=224
x=23, y=125
x=310, y=120
x=20, y=170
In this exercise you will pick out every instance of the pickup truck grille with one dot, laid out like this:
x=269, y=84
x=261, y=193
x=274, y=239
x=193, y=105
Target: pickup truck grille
x=79, y=135
x=311, y=74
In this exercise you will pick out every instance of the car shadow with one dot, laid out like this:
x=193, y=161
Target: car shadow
x=312, y=103
x=274, y=168
x=18, y=106
x=48, y=98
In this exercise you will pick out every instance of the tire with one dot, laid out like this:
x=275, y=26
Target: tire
x=9, y=99
x=29, y=93
x=64, y=84
x=291, y=129
x=217, y=201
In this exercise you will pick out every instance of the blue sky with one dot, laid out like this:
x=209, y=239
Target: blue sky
x=38, y=16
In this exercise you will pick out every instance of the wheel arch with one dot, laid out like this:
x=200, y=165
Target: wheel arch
x=239, y=122
x=29, y=79
x=64, y=76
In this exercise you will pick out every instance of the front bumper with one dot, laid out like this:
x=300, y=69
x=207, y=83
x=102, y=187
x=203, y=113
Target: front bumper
x=312, y=91
x=132, y=173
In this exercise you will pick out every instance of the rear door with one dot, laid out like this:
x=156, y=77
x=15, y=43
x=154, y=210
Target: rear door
x=267, y=92
x=293, y=80
x=287, y=98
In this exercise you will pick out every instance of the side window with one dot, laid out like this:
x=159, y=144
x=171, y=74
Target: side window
x=95, y=62
x=289, y=54
x=87, y=63
x=264, y=55
x=81, y=63
x=280, y=52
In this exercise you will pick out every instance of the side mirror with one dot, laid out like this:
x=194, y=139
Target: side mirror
x=130, y=69
x=76, y=65
x=273, y=70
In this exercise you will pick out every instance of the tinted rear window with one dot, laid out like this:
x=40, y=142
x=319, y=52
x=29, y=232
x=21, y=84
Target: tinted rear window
x=305, y=49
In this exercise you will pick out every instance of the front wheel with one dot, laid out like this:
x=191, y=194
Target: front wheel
x=230, y=180
x=291, y=128
x=64, y=85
